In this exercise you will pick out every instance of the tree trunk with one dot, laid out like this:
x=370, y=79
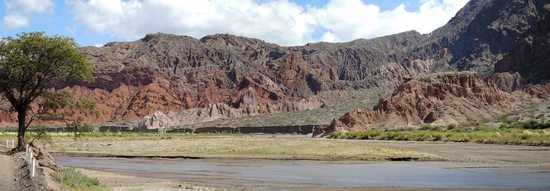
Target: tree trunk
x=21, y=118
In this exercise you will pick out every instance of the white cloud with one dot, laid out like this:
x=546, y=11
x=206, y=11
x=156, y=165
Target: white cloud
x=19, y=12
x=347, y=20
x=282, y=21
x=15, y=21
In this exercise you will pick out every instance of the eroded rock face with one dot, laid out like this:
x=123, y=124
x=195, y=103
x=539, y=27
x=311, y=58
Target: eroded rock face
x=440, y=99
x=531, y=54
x=483, y=32
x=508, y=82
x=446, y=98
x=223, y=76
x=157, y=121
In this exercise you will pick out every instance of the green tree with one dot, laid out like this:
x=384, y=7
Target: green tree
x=63, y=106
x=31, y=65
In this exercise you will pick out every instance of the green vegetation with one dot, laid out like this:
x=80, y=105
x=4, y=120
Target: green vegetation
x=515, y=133
x=527, y=125
x=74, y=180
x=63, y=106
x=39, y=136
x=30, y=65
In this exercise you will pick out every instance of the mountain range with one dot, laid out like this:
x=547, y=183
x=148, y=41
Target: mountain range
x=489, y=58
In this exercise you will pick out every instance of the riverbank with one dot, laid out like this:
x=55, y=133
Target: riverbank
x=528, y=133
x=226, y=146
x=197, y=156
x=510, y=166
x=258, y=174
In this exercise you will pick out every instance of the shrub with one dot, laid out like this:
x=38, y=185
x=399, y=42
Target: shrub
x=426, y=126
x=437, y=137
x=437, y=128
x=505, y=126
x=481, y=127
x=483, y=134
x=535, y=125
x=74, y=180
x=516, y=125
x=451, y=126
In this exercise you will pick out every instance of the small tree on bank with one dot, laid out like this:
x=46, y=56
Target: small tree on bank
x=63, y=106
x=31, y=64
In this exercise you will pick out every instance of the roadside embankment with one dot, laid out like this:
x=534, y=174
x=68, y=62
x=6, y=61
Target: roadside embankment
x=19, y=175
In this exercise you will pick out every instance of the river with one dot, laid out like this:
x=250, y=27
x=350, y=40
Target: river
x=296, y=175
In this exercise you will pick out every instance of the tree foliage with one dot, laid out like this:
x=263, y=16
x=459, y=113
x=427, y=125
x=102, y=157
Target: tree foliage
x=63, y=106
x=33, y=64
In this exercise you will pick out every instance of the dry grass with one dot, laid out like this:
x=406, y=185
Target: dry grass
x=232, y=146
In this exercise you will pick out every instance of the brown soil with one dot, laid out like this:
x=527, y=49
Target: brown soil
x=124, y=182
x=7, y=180
x=17, y=176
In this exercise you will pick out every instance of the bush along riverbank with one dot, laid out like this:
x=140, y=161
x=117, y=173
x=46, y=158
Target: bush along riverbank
x=516, y=133
x=73, y=179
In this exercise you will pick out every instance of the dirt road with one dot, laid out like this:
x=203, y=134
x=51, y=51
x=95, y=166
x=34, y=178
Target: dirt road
x=7, y=181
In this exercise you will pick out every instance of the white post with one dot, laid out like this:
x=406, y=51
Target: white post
x=30, y=157
x=26, y=150
x=7, y=143
x=13, y=143
x=33, y=166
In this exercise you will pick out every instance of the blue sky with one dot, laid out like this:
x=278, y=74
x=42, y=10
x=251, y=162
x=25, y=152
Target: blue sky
x=412, y=5
x=286, y=22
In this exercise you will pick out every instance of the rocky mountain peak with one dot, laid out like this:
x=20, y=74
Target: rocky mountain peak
x=160, y=37
x=174, y=73
x=229, y=40
x=483, y=32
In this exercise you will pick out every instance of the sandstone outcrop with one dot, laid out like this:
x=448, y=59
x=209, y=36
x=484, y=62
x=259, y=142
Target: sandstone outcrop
x=158, y=121
x=440, y=99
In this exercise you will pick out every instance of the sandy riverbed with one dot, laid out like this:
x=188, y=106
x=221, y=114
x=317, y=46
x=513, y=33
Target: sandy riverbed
x=458, y=156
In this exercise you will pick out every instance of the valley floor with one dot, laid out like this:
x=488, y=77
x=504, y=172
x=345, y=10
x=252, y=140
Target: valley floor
x=230, y=146
x=530, y=163
x=213, y=151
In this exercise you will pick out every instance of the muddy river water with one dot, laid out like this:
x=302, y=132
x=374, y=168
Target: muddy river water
x=292, y=175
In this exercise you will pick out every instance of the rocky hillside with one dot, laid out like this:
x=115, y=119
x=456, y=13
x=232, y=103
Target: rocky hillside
x=230, y=76
x=531, y=54
x=445, y=98
x=482, y=33
x=442, y=99
x=225, y=76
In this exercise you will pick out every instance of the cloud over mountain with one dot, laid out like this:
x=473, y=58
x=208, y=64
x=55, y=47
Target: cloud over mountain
x=283, y=22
